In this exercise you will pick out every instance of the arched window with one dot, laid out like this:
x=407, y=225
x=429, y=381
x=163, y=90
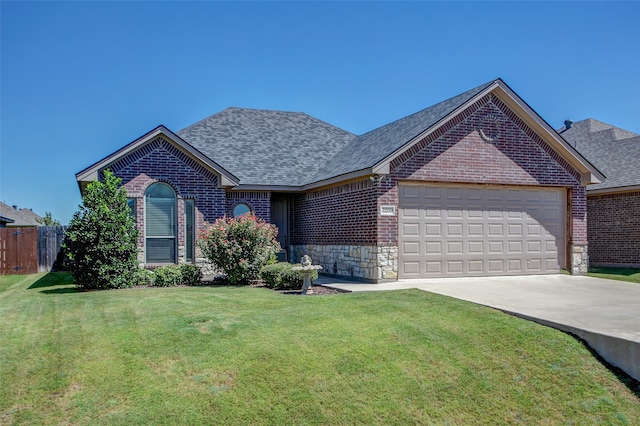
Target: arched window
x=241, y=209
x=160, y=223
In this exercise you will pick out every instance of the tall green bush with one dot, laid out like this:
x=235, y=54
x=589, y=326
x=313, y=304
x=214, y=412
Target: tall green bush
x=240, y=246
x=101, y=241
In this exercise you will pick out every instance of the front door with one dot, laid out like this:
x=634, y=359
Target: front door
x=280, y=218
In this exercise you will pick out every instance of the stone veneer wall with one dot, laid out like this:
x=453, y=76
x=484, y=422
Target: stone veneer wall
x=368, y=263
x=614, y=229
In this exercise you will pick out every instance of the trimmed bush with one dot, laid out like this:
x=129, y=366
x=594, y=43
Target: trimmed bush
x=271, y=275
x=143, y=277
x=101, y=241
x=240, y=247
x=191, y=274
x=281, y=276
x=167, y=276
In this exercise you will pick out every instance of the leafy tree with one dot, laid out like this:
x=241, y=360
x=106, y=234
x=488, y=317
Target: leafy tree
x=101, y=241
x=240, y=246
x=48, y=220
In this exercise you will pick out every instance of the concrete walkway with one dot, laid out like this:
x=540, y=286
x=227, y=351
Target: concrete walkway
x=605, y=313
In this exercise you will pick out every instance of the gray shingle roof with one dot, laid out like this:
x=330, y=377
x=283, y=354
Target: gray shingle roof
x=614, y=151
x=264, y=147
x=372, y=147
x=20, y=217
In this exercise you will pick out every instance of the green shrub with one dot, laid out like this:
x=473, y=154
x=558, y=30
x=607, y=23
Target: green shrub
x=271, y=275
x=143, y=277
x=240, y=247
x=281, y=276
x=191, y=274
x=101, y=241
x=167, y=276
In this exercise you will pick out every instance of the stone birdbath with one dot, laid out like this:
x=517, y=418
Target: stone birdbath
x=306, y=269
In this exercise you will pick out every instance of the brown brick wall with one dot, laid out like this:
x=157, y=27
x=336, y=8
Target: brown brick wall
x=340, y=215
x=259, y=202
x=614, y=228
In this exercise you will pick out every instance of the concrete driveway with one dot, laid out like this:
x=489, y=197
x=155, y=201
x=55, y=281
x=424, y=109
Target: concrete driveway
x=605, y=313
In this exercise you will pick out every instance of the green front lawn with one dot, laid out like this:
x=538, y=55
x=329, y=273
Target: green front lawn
x=236, y=355
x=621, y=274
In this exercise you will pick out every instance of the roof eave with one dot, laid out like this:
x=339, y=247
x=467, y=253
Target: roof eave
x=338, y=179
x=614, y=190
x=90, y=174
x=270, y=188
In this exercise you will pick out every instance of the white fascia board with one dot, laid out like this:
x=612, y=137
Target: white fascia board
x=91, y=173
x=616, y=190
x=588, y=172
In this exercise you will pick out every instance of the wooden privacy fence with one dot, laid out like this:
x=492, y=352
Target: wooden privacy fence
x=31, y=250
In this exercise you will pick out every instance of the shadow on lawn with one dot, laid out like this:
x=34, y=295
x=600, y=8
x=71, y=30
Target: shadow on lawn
x=62, y=290
x=53, y=279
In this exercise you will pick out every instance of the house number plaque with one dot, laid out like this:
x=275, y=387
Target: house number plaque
x=387, y=210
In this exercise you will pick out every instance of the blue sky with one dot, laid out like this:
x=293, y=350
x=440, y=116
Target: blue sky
x=79, y=80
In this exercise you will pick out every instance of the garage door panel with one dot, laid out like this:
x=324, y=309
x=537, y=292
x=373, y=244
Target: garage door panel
x=410, y=229
x=433, y=267
x=474, y=231
x=476, y=267
x=433, y=248
x=495, y=230
x=454, y=267
x=410, y=248
x=455, y=247
x=515, y=265
x=514, y=247
x=434, y=193
x=453, y=193
x=514, y=230
x=475, y=247
x=410, y=192
x=433, y=213
x=534, y=265
x=454, y=229
x=433, y=230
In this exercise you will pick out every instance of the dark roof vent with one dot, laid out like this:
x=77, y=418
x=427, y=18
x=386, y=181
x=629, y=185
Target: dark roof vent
x=567, y=124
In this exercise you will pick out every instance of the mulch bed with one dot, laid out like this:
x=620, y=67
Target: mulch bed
x=316, y=290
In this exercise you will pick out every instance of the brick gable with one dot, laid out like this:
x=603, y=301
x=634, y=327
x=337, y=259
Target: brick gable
x=160, y=161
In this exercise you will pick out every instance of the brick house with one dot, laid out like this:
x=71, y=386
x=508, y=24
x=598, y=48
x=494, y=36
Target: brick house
x=476, y=185
x=613, y=206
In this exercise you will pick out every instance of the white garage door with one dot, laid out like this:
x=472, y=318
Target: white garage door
x=465, y=230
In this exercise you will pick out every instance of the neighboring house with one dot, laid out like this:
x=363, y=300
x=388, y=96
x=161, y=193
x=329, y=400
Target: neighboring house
x=476, y=185
x=18, y=217
x=4, y=221
x=613, y=207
